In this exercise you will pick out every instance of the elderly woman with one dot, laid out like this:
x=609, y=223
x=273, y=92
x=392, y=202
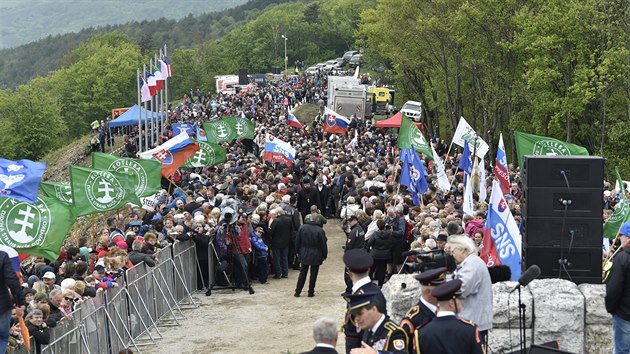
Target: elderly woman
x=372, y=227
x=38, y=329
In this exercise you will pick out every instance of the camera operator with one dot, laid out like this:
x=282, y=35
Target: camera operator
x=236, y=235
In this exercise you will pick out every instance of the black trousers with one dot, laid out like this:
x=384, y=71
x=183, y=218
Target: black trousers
x=302, y=278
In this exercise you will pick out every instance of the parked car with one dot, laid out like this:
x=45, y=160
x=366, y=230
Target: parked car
x=330, y=64
x=413, y=110
x=347, y=55
x=311, y=70
x=355, y=60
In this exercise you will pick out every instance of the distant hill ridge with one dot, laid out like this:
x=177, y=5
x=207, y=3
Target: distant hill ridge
x=21, y=64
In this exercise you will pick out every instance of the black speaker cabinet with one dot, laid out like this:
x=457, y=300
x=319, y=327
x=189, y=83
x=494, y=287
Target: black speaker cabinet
x=578, y=232
x=549, y=201
x=581, y=171
x=242, y=77
x=583, y=264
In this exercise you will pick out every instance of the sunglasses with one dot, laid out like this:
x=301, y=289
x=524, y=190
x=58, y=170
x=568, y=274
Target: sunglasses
x=69, y=298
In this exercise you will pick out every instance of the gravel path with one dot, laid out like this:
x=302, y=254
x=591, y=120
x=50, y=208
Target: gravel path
x=270, y=321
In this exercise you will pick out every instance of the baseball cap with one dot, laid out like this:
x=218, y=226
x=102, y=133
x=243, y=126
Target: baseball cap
x=49, y=275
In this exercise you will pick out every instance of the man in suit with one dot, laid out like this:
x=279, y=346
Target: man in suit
x=322, y=195
x=280, y=233
x=446, y=333
x=422, y=313
x=325, y=335
x=379, y=334
x=358, y=263
x=311, y=245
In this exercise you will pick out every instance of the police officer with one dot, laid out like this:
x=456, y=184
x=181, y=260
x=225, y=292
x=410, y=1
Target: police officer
x=355, y=239
x=379, y=334
x=358, y=263
x=422, y=313
x=446, y=334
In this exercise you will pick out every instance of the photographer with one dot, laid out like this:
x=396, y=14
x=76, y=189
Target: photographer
x=235, y=232
x=200, y=234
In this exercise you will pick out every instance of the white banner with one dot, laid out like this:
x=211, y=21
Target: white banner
x=442, y=179
x=465, y=132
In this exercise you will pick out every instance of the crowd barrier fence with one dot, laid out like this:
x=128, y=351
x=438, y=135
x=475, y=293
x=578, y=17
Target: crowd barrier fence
x=129, y=315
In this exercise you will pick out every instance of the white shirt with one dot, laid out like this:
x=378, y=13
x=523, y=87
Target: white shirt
x=429, y=305
x=378, y=323
x=360, y=283
x=445, y=313
x=324, y=345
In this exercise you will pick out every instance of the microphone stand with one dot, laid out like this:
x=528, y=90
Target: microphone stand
x=522, y=323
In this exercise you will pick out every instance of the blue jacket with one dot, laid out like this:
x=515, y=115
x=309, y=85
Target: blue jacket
x=259, y=245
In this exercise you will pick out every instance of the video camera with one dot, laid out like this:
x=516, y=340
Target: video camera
x=428, y=260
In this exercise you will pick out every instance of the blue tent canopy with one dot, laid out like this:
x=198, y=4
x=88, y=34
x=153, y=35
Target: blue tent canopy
x=131, y=117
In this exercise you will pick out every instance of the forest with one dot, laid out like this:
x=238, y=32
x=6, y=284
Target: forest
x=559, y=68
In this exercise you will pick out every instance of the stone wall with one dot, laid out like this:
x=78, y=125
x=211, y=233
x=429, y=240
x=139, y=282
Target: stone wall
x=555, y=310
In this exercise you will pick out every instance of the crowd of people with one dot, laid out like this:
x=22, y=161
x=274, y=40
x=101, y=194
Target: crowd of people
x=261, y=218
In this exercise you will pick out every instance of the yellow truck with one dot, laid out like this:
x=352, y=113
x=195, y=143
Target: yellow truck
x=381, y=99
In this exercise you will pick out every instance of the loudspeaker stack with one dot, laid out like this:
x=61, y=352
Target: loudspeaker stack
x=242, y=77
x=563, y=216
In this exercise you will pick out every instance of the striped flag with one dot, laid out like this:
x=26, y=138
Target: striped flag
x=501, y=168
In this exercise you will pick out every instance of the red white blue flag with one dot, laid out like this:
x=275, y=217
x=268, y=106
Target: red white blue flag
x=501, y=168
x=169, y=68
x=334, y=122
x=173, y=153
x=502, y=240
x=14, y=257
x=292, y=121
x=277, y=150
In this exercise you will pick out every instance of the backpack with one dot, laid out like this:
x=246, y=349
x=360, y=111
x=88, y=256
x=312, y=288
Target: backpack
x=408, y=230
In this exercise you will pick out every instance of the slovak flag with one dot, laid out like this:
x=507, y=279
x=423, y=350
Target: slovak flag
x=502, y=239
x=292, y=121
x=169, y=69
x=277, y=150
x=14, y=257
x=335, y=123
x=501, y=168
x=173, y=153
x=152, y=83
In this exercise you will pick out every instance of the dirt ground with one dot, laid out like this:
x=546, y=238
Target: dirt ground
x=270, y=321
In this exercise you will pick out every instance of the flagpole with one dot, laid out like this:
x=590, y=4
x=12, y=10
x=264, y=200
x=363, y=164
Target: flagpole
x=153, y=100
x=159, y=119
x=166, y=88
x=447, y=152
x=139, y=110
x=146, y=112
x=606, y=259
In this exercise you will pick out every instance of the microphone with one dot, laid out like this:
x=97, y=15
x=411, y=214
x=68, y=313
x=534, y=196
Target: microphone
x=530, y=274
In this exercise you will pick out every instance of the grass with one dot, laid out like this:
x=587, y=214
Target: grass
x=306, y=113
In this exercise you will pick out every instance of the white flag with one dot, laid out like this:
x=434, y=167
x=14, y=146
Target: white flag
x=483, y=192
x=467, y=206
x=465, y=132
x=442, y=179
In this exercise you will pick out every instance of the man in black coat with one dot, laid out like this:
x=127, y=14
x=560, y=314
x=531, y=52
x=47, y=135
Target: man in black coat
x=311, y=244
x=617, y=298
x=280, y=234
x=8, y=281
x=306, y=197
x=325, y=333
x=322, y=195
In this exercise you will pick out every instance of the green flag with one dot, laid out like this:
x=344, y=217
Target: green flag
x=529, y=144
x=228, y=129
x=621, y=213
x=61, y=191
x=208, y=154
x=243, y=127
x=148, y=173
x=409, y=135
x=95, y=191
x=38, y=229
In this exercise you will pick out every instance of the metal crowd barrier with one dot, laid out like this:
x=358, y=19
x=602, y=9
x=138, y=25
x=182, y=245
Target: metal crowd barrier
x=129, y=316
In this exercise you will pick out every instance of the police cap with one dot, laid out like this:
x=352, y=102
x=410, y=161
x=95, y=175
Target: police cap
x=447, y=290
x=432, y=277
x=358, y=301
x=358, y=260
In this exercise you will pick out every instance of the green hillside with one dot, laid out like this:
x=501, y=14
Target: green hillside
x=24, y=21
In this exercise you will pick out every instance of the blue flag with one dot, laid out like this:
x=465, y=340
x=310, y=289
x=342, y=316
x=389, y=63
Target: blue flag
x=465, y=164
x=201, y=134
x=20, y=179
x=183, y=127
x=413, y=175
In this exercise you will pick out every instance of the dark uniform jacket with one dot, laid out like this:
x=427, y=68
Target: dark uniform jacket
x=306, y=198
x=311, y=243
x=416, y=318
x=321, y=198
x=9, y=280
x=321, y=350
x=388, y=338
x=449, y=335
x=280, y=231
x=353, y=340
x=356, y=238
x=380, y=244
x=618, y=286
